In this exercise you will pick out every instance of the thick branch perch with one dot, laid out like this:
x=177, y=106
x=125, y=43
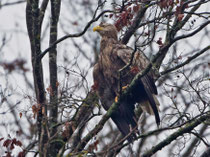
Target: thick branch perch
x=98, y=127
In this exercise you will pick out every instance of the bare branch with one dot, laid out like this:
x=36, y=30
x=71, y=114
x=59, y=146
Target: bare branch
x=135, y=24
x=74, y=35
x=206, y=153
x=12, y=3
x=176, y=134
x=200, y=138
x=177, y=25
x=187, y=61
x=192, y=33
x=195, y=141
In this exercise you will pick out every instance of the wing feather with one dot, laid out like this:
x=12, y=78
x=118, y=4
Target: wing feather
x=124, y=117
x=151, y=100
x=140, y=60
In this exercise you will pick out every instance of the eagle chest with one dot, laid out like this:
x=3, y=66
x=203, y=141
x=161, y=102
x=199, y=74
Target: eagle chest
x=110, y=66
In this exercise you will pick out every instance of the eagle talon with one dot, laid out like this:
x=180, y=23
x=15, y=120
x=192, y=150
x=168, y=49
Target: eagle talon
x=124, y=87
x=116, y=99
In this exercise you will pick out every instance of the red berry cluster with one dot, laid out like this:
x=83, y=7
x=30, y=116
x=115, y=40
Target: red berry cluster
x=10, y=145
x=179, y=7
x=125, y=15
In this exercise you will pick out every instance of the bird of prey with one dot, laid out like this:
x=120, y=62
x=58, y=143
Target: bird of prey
x=114, y=56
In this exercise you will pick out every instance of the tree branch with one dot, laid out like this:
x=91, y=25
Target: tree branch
x=73, y=35
x=192, y=33
x=177, y=25
x=188, y=127
x=135, y=24
x=187, y=61
x=12, y=3
x=206, y=153
x=98, y=127
x=53, y=147
x=195, y=141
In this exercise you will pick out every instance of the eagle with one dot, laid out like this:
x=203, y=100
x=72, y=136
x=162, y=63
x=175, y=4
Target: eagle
x=108, y=84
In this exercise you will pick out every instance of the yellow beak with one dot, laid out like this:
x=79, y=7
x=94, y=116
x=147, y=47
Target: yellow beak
x=97, y=28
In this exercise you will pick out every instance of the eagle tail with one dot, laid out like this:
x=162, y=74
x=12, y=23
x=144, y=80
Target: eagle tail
x=125, y=120
x=125, y=127
x=145, y=105
x=152, y=101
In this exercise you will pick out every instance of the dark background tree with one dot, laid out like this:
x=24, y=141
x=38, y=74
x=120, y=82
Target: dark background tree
x=56, y=113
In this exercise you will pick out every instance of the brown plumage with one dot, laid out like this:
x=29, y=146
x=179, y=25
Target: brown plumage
x=114, y=56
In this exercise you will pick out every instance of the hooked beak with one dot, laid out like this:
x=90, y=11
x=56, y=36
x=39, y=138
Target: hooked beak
x=97, y=28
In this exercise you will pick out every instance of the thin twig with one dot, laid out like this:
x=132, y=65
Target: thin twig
x=186, y=62
x=176, y=134
x=73, y=35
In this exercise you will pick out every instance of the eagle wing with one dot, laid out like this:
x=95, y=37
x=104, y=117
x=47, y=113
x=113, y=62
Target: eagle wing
x=106, y=94
x=124, y=116
x=140, y=61
x=146, y=88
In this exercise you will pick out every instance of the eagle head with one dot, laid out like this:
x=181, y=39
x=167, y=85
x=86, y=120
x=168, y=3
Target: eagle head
x=106, y=30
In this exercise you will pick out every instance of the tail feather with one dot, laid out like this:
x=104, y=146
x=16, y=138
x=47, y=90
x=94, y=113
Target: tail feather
x=124, y=127
x=152, y=102
x=147, y=108
x=125, y=120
